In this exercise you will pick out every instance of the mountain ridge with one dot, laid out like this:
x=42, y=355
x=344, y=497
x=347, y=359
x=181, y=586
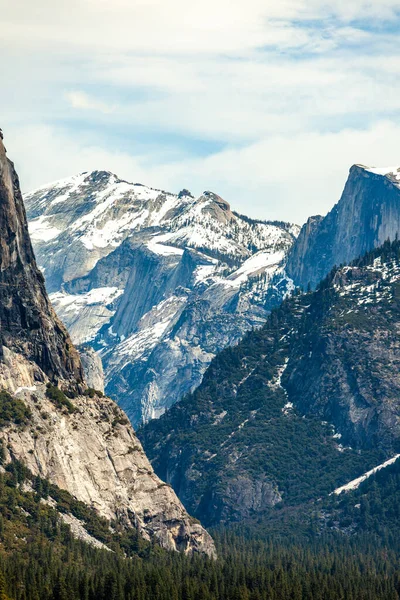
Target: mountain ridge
x=366, y=215
x=322, y=374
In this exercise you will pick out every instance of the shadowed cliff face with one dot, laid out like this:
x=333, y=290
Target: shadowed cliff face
x=28, y=323
x=367, y=214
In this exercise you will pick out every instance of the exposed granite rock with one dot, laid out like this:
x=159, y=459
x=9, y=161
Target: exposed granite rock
x=92, y=367
x=79, y=532
x=94, y=454
x=367, y=214
x=87, y=448
x=158, y=283
x=348, y=371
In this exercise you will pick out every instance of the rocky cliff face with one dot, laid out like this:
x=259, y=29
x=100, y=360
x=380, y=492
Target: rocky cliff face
x=345, y=369
x=80, y=441
x=296, y=406
x=157, y=283
x=367, y=214
x=29, y=326
x=93, y=453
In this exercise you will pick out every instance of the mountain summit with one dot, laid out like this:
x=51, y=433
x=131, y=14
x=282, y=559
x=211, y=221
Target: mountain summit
x=367, y=214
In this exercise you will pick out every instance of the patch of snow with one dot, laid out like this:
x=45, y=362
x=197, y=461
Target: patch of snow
x=152, y=327
x=262, y=262
x=353, y=485
x=41, y=230
x=75, y=302
x=392, y=171
x=287, y=408
x=204, y=272
x=156, y=246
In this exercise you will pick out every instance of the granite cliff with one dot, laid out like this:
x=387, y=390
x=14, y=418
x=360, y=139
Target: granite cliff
x=72, y=436
x=29, y=326
x=367, y=214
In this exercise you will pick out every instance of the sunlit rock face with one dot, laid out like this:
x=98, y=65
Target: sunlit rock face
x=82, y=441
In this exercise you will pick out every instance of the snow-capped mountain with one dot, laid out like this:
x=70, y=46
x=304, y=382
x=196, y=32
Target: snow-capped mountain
x=157, y=282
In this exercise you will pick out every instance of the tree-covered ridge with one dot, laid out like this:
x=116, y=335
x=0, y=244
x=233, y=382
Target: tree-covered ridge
x=295, y=408
x=374, y=506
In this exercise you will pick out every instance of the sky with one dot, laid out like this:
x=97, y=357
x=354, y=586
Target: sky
x=267, y=103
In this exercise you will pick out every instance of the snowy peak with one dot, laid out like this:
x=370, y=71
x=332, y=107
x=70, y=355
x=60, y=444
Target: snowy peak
x=157, y=282
x=391, y=173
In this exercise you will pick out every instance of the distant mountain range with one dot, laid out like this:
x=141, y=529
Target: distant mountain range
x=294, y=430
x=158, y=283
x=290, y=412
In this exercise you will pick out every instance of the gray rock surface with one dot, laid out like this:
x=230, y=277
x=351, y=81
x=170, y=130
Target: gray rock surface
x=367, y=214
x=92, y=367
x=94, y=454
x=28, y=323
x=157, y=283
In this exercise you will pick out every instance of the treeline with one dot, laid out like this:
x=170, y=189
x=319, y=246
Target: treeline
x=247, y=569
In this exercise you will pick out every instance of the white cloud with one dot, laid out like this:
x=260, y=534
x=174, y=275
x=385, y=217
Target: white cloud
x=80, y=100
x=268, y=103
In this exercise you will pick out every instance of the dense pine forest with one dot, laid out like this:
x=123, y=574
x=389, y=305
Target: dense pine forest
x=319, y=558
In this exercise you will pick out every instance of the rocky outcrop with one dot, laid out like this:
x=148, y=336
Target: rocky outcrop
x=157, y=283
x=78, y=440
x=367, y=214
x=346, y=369
x=92, y=367
x=28, y=324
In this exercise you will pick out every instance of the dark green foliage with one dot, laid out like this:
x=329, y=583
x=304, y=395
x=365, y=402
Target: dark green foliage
x=58, y=398
x=295, y=451
x=250, y=566
x=374, y=506
x=234, y=431
x=12, y=410
x=40, y=560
